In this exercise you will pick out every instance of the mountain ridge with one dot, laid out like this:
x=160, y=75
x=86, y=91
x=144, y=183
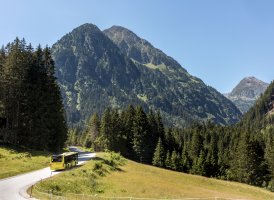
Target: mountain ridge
x=122, y=37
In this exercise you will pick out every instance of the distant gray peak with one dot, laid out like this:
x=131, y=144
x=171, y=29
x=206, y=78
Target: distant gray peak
x=249, y=87
x=247, y=92
x=251, y=80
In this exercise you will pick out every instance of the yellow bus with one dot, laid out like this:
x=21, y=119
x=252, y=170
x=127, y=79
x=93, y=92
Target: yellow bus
x=63, y=161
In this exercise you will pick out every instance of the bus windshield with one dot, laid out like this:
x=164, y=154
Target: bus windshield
x=56, y=158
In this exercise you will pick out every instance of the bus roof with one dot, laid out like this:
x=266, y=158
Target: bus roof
x=65, y=154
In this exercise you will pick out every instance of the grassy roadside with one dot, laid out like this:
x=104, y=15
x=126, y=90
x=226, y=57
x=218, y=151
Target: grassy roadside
x=17, y=161
x=112, y=176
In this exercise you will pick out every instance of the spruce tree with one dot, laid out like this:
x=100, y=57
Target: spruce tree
x=175, y=160
x=56, y=122
x=105, y=130
x=2, y=82
x=168, y=160
x=159, y=155
x=269, y=156
x=92, y=130
x=14, y=72
x=153, y=133
x=185, y=160
x=196, y=144
x=248, y=165
x=117, y=141
x=212, y=156
x=140, y=131
x=199, y=165
x=128, y=122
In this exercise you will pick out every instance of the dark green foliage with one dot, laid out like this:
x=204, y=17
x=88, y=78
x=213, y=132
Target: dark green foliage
x=140, y=135
x=159, y=155
x=32, y=104
x=92, y=131
x=168, y=161
x=269, y=155
x=106, y=129
x=175, y=161
x=130, y=132
x=127, y=118
x=185, y=161
x=199, y=165
x=72, y=137
x=196, y=143
x=248, y=165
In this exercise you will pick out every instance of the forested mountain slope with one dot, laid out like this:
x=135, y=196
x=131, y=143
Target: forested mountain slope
x=95, y=73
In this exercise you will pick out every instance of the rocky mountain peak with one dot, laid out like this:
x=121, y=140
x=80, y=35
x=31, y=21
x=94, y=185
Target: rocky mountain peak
x=86, y=37
x=119, y=33
x=246, y=92
x=249, y=87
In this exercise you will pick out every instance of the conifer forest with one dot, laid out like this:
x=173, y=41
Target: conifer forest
x=31, y=107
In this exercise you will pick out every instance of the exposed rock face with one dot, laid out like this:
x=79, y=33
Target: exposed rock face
x=247, y=92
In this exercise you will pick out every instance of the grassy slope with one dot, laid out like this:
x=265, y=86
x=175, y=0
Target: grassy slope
x=15, y=161
x=137, y=180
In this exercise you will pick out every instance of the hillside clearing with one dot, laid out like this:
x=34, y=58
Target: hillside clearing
x=106, y=177
x=17, y=161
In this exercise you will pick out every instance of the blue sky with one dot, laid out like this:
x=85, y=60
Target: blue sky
x=219, y=41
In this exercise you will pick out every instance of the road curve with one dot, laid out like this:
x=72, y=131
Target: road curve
x=14, y=188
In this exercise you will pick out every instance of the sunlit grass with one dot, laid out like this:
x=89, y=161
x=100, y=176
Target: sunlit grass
x=86, y=149
x=16, y=161
x=146, y=181
x=99, y=178
x=152, y=66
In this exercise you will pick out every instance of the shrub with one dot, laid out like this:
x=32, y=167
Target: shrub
x=114, y=160
x=99, y=169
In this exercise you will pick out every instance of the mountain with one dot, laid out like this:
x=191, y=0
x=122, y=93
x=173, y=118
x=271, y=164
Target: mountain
x=261, y=114
x=96, y=70
x=247, y=92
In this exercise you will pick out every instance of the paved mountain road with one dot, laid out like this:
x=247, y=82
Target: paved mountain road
x=14, y=188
